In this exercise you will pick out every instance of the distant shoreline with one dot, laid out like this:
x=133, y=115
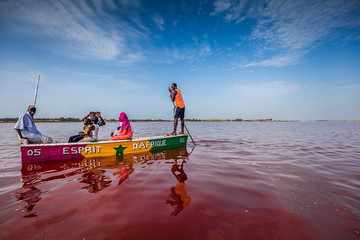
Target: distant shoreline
x=64, y=120
x=61, y=120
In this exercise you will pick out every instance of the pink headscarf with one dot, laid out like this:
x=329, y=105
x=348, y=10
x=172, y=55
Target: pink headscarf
x=125, y=121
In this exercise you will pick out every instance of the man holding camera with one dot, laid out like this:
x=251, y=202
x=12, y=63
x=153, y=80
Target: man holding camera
x=95, y=119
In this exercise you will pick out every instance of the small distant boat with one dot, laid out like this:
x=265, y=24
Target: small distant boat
x=32, y=153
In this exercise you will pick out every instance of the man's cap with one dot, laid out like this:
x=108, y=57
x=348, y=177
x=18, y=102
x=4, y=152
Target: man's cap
x=30, y=107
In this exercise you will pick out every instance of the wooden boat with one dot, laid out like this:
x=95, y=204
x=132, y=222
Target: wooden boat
x=32, y=153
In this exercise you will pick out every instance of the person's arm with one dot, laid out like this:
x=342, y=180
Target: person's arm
x=19, y=133
x=20, y=125
x=102, y=120
x=21, y=137
x=172, y=95
x=88, y=115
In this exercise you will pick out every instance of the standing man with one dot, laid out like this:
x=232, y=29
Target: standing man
x=176, y=96
x=26, y=128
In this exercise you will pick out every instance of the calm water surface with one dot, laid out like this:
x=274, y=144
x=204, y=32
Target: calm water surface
x=298, y=180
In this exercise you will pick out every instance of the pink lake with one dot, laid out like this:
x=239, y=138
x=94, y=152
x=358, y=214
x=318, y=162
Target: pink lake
x=255, y=180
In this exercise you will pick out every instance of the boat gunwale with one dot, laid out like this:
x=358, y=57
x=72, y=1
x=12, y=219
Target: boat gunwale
x=99, y=142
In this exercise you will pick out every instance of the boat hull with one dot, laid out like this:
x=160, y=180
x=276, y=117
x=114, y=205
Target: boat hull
x=31, y=153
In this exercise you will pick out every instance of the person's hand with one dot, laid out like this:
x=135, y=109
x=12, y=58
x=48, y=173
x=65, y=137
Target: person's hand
x=22, y=140
x=170, y=90
x=98, y=113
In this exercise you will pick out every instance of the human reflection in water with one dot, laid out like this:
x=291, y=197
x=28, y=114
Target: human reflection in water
x=124, y=172
x=29, y=194
x=97, y=181
x=179, y=198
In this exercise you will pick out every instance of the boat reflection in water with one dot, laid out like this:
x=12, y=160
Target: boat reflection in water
x=96, y=180
x=98, y=174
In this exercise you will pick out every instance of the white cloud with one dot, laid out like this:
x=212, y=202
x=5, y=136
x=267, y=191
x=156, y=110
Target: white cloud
x=187, y=54
x=266, y=90
x=221, y=6
x=159, y=21
x=291, y=26
x=21, y=76
x=276, y=61
x=101, y=82
x=131, y=58
x=300, y=24
x=235, y=10
x=80, y=29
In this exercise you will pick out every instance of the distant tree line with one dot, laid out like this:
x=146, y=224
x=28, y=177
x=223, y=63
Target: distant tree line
x=70, y=119
x=148, y=120
x=62, y=119
x=7, y=120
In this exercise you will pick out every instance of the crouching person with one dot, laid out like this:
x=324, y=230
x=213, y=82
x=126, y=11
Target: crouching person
x=125, y=130
x=26, y=128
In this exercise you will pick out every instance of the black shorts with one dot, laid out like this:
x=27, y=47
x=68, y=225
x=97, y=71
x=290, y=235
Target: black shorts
x=179, y=113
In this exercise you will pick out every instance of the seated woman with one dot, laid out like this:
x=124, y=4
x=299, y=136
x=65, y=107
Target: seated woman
x=125, y=130
x=84, y=136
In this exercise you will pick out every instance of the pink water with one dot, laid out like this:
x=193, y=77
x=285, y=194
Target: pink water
x=297, y=180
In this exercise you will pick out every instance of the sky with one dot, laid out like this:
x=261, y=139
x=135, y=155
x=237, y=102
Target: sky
x=232, y=59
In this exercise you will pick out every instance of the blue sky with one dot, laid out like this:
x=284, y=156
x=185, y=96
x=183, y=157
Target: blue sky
x=289, y=60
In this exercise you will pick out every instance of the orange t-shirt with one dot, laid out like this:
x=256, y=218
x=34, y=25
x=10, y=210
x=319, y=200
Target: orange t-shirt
x=179, y=102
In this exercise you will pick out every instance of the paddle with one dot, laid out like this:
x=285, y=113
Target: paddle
x=36, y=90
x=190, y=135
x=185, y=127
